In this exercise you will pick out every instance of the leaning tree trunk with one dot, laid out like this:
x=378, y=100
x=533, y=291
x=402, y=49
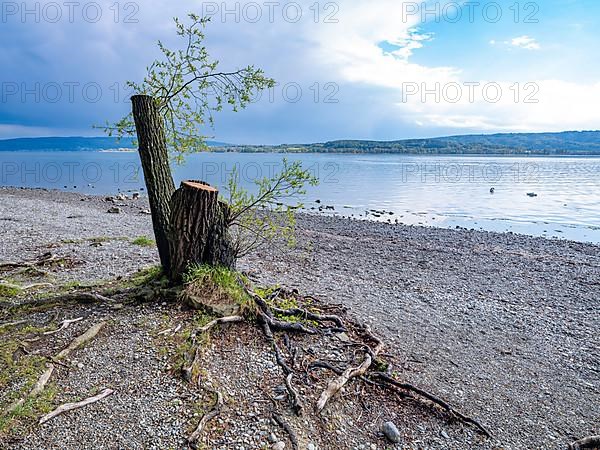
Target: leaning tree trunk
x=199, y=229
x=154, y=155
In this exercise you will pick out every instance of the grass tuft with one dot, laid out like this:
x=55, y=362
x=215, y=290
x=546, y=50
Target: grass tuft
x=144, y=241
x=19, y=372
x=7, y=292
x=227, y=282
x=146, y=276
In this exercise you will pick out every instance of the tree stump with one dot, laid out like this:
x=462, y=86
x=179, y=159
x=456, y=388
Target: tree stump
x=199, y=229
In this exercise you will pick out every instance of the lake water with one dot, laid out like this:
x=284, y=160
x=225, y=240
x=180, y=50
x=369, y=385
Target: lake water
x=445, y=191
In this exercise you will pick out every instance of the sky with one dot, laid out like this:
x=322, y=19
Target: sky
x=349, y=69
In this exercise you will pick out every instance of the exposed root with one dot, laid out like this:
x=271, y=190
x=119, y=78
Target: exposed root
x=266, y=315
x=36, y=285
x=64, y=324
x=287, y=370
x=71, y=406
x=230, y=319
x=45, y=260
x=359, y=336
x=193, y=438
x=13, y=324
x=351, y=372
x=590, y=442
x=288, y=430
x=295, y=397
x=27, y=286
x=325, y=365
x=84, y=298
x=307, y=315
x=363, y=371
x=386, y=379
x=187, y=371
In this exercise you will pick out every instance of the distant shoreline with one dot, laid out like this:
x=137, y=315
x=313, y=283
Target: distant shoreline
x=566, y=143
x=337, y=152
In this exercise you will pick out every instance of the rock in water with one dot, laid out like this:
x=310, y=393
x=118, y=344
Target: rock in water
x=114, y=210
x=391, y=432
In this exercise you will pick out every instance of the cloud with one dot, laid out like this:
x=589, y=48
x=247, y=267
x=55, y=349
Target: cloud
x=343, y=49
x=525, y=42
x=506, y=106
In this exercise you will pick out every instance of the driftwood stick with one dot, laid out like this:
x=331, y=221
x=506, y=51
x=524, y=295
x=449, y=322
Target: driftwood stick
x=64, y=324
x=35, y=391
x=80, y=340
x=71, y=406
x=45, y=377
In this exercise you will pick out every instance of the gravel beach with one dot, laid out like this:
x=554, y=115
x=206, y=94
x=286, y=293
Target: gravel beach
x=503, y=326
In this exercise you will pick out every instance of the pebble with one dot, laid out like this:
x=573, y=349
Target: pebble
x=278, y=446
x=391, y=432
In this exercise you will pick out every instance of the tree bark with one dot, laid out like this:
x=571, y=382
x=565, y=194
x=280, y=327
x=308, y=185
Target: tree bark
x=199, y=229
x=154, y=155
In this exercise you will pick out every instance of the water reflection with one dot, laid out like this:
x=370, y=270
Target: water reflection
x=445, y=191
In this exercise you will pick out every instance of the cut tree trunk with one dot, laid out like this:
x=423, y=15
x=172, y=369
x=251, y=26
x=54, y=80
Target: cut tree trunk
x=198, y=229
x=154, y=155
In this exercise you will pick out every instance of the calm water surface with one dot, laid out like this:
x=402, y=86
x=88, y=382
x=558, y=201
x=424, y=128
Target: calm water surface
x=445, y=191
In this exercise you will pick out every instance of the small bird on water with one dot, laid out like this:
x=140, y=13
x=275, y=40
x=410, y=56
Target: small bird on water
x=492, y=190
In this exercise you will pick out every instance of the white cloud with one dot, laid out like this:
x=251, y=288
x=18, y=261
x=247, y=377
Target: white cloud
x=525, y=42
x=506, y=106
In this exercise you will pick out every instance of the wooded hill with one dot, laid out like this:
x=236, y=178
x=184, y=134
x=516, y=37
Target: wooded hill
x=565, y=143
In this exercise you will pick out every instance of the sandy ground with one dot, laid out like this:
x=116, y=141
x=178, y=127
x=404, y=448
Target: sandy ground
x=505, y=327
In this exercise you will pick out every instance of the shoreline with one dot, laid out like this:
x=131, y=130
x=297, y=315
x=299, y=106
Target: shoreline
x=142, y=204
x=501, y=325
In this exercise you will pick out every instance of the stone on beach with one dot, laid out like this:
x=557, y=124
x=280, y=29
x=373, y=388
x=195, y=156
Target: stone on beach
x=391, y=432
